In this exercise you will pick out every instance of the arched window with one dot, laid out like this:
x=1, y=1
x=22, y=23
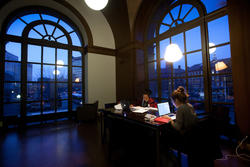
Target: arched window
x=205, y=69
x=43, y=65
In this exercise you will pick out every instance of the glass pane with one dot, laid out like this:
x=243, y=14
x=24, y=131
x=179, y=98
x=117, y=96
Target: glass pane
x=194, y=64
x=193, y=39
x=179, y=40
x=225, y=112
x=58, y=33
x=62, y=91
x=48, y=91
x=33, y=91
x=163, y=28
x=62, y=74
x=48, y=17
x=152, y=52
x=222, y=89
x=63, y=40
x=49, y=55
x=75, y=39
x=49, y=73
x=213, y=5
x=196, y=88
x=16, y=28
x=34, y=34
x=62, y=57
x=31, y=17
x=152, y=70
x=12, y=92
x=76, y=74
x=76, y=103
x=218, y=30
x=65, y=25
x=62, y=106
x=166, y=88
x=33, y=108
x=34, y=53
x=163, y=45
x=153, y=86
x=192, y=15
x=184, y=10
x=179, y=82
x=48, y=107
x=175, y=12
x=49, y=28
x=40, y=28
x=77, y=90
x=167, y=19
x=76, y=58
x=12, y=71
x=11, y=109
x=220, y=60
x=165, y=69
x=199, y=108
x=33, y=72
x=179, y=68
x=13, y=51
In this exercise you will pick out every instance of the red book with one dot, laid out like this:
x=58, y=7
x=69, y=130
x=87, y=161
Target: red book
x=162, y=120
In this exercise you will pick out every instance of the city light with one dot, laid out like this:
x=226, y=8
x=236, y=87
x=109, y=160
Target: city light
x=77, y=80
x=220, y=66
x=96, y=4
x=56, y=72
x=211, y=50
x=12, y=91
x=173, y=53
x=18, y=96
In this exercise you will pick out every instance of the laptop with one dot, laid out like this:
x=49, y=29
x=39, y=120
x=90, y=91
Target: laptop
x=164, y=109
x=125, y=105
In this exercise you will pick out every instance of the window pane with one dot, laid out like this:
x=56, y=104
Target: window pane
x=179, y=82
x=175, y=12
x=76, y=58
x=166, y=88
x=49, y=55
x=34, y=53
x=218, y=30
x=152, y=52
x=16, y=28
x=220, y=60
x=58, y=33
x=76, y=103
x=63, y=40
x=163, y=45
x=62, y=91
x=179, y=68
x=33, y=108
x=40, y=28
x=33, y=72
x=62, y=106
x=193, y=39
x=199, y=108
x=77, y=90
x=222, y=89
x=75, y=39
x=192, y=15
x=62, y=74
x=34, y=34
x=194, y=64
x=48, y=91
x=62, y=57
x=48, y=17
x=167, y=19
x=222, y=109
x=33, y=91
x=184, y=10
x=49, y=28
x=76, y=74
x=153, y=86
x=12, y=71
x=163, y=28
x=31, y=17
x=12, y=92
x=196, y=88
x=13, y=51
x=165, y=69
x=152, y=70
x=48, y=107
x=213, y=5
x=11, y=109
x=66, y=26
x=179, y=40
x=49, y=73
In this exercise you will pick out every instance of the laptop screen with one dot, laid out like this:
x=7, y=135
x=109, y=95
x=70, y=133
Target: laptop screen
x=163, y=108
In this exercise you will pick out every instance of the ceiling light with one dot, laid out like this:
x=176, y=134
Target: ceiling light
x=173, y=53
x=96, y=4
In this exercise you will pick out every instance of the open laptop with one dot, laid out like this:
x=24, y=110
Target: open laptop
x=164, y=109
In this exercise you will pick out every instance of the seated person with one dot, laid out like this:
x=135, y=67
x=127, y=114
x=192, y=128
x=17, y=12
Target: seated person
x=146, y=100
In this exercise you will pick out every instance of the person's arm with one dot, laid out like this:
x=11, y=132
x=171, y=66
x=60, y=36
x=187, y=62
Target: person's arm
x=177, y=124
x=152, y=103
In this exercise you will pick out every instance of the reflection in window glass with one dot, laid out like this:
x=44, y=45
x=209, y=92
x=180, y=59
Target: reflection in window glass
x=49, y=107
x=75, y=39
x=179, y=82
x=76, y=90
x=222, y=88
x=194, y=64
x=49, y=73
x=34, y=53
x=218, y=30
x=77, y=74
x=31, y=17
x=16, y=28
x=153, y=86
x=49, y=55
x=12, y=92
x=166, y=88
x=196, y=88
x=62, y=91
x=220, y=60
x=76, y=58
x=163, y=45
x=33, y=108
x=62, y=74
x=48, y=91
x=152, y=53
x=33, y=91
x=33, y=72
x=165, y=69
x=13, y=51
x=225, y=111
x=34, y=34
x=152, y=70
x=11, y=109
x=179, y=40
x=12, y=71
x=193, y=39
x=62, y=106
x=213, y=5
x=65, y=25
x=62, y=57
x=76, y=103
x=179, y=68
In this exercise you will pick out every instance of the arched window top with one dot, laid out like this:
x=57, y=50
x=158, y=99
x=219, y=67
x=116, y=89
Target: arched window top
x=212, y=5
x=178, y=15
x=46, y=27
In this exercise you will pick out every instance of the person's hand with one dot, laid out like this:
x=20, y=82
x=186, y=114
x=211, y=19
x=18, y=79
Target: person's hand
x=166, y=117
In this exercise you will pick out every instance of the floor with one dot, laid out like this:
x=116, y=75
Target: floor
x=69, y=144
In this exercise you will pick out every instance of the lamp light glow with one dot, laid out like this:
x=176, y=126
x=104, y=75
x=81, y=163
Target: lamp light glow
x=77, y=80
x=96, y=4
x=18, y=96
x=173, y=53
x=59, y=63
x=220, y=66
x=211, y=50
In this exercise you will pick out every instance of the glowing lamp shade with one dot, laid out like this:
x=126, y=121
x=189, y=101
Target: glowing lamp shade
x=96, y=4
x=173, y=53
x=220, y=66
x=60, y=63
x=77, y=80
x=211, y=50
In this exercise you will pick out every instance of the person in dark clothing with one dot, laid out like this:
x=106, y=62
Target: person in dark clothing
x=146, y=100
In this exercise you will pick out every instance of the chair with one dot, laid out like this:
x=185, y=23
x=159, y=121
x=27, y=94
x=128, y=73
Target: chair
x=87, y=112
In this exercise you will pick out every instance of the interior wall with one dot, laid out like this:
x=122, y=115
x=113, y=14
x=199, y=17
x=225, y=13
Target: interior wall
x=101, y=82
